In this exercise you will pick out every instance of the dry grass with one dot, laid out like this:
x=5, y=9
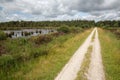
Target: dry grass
x=85, y=65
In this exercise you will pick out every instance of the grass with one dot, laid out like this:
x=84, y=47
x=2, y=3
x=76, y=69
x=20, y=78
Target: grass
x=111, y=54
x=93, y=37
x=57, y=53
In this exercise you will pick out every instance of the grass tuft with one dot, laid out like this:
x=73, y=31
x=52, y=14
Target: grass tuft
x=82, y=75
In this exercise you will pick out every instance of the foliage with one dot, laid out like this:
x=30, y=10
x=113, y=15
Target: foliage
x=43, y=39
x=26, y=33
x=108, y=23
x=116, y=31
x=2, y=49
x=64, y=29
x=42, y=24
x=10, y=34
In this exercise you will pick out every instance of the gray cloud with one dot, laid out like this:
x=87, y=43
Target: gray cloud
x=95, y=5
x=6, y=1
x=59, y=9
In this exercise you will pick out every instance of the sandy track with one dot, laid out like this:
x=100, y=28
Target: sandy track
x=95, y=71
x=70, y=70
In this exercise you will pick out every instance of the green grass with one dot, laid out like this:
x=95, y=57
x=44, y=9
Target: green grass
x=111, y=54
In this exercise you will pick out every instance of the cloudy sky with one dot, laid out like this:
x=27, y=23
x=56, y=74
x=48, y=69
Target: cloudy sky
x=38, y=10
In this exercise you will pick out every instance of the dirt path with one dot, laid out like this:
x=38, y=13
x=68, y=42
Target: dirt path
x=70, y=70
x=95, y=71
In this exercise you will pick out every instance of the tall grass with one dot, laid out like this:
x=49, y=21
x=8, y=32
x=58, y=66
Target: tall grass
x=111, y=54
x=2, y=35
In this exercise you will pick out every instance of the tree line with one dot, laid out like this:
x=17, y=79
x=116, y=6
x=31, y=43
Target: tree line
x=108, y=23
x=43, y=24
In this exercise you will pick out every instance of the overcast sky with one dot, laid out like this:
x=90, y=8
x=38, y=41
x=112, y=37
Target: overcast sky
x=38, y=10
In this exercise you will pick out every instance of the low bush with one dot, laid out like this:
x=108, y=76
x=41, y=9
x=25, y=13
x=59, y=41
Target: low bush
x=10, y=34
x=76, y=30
x=115, y=31
x=2, y=50
x=26, y=33
x=64, y=29
x=43, y=39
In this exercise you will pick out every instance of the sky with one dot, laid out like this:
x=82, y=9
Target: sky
x=42, y=10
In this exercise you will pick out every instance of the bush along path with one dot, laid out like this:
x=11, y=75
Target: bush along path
x=77, y=66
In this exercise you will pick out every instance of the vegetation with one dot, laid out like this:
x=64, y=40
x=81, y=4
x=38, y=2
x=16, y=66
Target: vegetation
x=116, y=31
x=57, y=57
x=64, y=29
x=23, y=49
x=50, y=24
x=34, y=58
x=20, y=55
x=43, y=24
x=111, y=54
x=108, y=24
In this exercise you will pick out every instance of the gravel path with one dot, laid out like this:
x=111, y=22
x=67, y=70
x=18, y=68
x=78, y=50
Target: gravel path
x=70, y=70
x=95, y=71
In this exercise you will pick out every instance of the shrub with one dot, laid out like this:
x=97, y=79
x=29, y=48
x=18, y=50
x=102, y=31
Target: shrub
x=56, y=34
x=5, y=60
x=64, y=29
x=43, y=39
x=10, y=34
x=40, y=32
x=2, y=35
x=31, y=33
x=2, y=50
x=26, y=33
x=75, y=29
